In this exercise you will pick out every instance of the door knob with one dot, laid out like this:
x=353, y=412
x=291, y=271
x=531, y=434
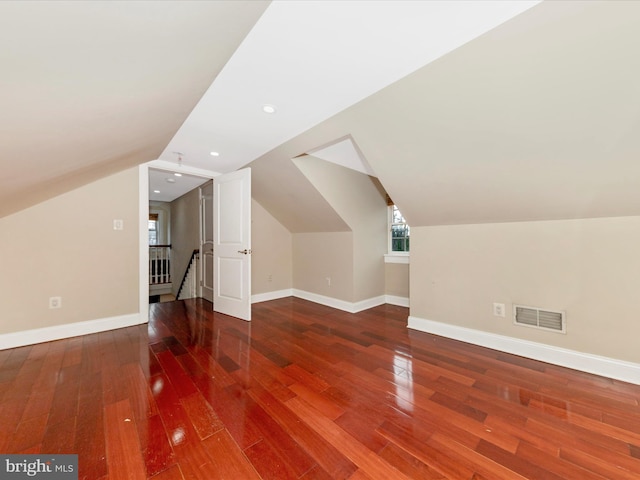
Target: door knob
x=245, y=251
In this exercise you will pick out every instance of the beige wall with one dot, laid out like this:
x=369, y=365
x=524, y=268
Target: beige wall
x=271, y=245
x=185, y=234
x=588, y=268
x=397, y=279
x=356, y=198
x=272, y=253
x=318, y=256
x=67, y=247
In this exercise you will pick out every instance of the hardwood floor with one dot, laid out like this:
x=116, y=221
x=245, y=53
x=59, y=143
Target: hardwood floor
x=307, y=392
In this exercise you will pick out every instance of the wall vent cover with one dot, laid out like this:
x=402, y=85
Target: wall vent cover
x=539, y=318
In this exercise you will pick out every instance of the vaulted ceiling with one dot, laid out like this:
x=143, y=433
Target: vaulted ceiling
x=91, y=88
x=537, y=118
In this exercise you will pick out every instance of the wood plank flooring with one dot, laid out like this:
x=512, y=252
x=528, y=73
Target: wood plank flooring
x=307, y=392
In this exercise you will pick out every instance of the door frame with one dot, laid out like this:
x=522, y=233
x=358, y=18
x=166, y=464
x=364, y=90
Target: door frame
x=143, y=219
x=203, y=220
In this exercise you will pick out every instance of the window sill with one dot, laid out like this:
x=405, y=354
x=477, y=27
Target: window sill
x=396, y=258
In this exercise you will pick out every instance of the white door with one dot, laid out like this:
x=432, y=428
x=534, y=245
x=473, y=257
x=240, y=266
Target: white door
x=206, y=241
x=232, y=244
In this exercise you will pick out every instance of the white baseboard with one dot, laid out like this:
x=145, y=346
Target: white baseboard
x=57, y=332
x=398, y=301
x=368, y=303
x=351, y=307
x=68, y=330
x=265, y=297
x=598, y=365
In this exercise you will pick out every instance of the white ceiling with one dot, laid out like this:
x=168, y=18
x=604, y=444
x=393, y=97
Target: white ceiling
x=344, y=153
x=313, y=59
x=166, y=186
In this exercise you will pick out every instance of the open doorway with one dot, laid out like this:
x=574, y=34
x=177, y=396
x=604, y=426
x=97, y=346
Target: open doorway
x=175, y=233
x=232, y=199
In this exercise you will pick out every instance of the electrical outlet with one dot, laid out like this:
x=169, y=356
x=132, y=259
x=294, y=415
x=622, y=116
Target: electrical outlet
x=498, y=309
x=118, y=224
x=55, y=302
x=328, y=281
x=270, y=278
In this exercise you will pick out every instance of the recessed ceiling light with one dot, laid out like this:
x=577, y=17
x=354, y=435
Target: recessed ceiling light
x=171, y=180
x=268, y=108
x=214, y=154
x=156, y=191
x=178, y=174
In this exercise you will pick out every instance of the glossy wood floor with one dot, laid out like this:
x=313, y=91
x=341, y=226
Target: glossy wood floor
x=307, y=392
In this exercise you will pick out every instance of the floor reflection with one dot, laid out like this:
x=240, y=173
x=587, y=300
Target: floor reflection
x=403, y=380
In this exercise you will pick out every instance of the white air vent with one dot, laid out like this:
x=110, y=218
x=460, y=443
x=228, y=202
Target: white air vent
x=539, y=318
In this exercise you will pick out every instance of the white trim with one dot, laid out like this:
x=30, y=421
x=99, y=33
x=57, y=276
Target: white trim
x=395, y=300
x=397, y=258
x=367, y=304
x=595, y=364
x=68, y=330
x=143, y=241
x=330, y=301
x=265, y=297
x=143, y=207
x=340, y=304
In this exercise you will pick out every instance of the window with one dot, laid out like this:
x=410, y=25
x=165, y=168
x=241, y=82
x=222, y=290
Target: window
x=153, y=229
x=399, y=239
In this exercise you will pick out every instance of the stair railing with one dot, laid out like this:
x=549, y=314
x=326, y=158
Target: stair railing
x=159, y=264
x=190, y=279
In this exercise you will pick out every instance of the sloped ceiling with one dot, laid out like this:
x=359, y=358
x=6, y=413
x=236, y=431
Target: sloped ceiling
x=537, y=119
x=91, y=88
x=95, y=87
x=311, y=59
x=345, y=153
